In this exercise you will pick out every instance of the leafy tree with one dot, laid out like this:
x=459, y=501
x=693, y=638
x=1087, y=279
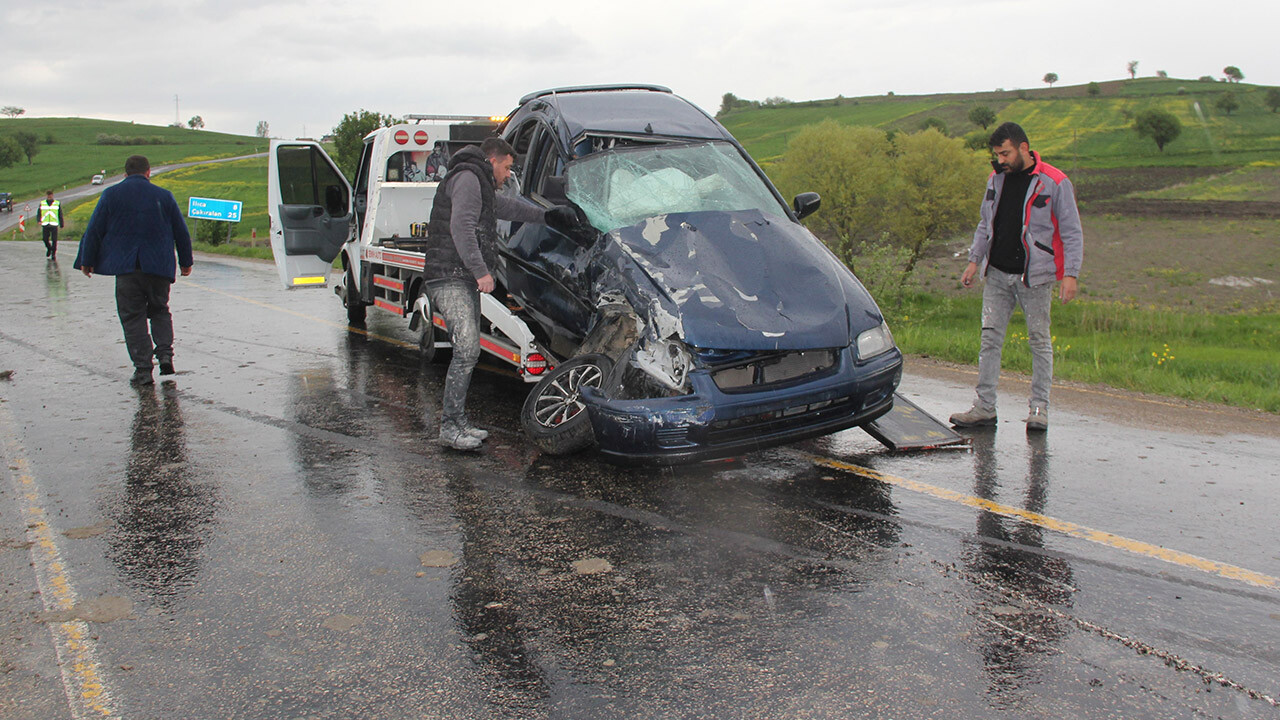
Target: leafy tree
x=936, y=123
x=1133, y=69
x=12, y=110
x=263, y=130
x=1159, y=125
x=1273, y=99
x=10, y=152
x=982, y=115
x=1233, y=73
x=1094, y=89
x=1051, y=78
x=196, y=122
x=29, y=143
x=1227, y=102
x=977, y=140
x=348, y=137
x=938, y=183
x=728, y=102
x=1162, y=74
x=1206, y=78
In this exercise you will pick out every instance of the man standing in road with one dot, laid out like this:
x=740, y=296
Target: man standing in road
x=1029, y=236
x=132, y=234
x=50, y=221
x=461, y=248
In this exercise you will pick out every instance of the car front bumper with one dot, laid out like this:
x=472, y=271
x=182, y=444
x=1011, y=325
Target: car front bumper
x=710, y=424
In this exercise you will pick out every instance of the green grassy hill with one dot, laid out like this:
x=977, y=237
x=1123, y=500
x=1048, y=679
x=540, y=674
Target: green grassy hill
x=74, y=155
x=1066, y=123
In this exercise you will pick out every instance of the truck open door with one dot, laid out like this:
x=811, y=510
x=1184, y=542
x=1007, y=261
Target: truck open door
x=309, y=204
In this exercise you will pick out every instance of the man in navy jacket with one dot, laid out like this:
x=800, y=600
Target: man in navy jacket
x=132, y=235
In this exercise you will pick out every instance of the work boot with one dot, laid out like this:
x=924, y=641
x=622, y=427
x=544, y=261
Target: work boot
x=476, y=432
x=141, y=377
x=1038, y=419
x=974, y=417
x=452, y=436
x=166, y=368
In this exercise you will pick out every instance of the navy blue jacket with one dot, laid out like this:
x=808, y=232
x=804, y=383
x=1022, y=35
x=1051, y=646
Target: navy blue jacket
x=135, y=227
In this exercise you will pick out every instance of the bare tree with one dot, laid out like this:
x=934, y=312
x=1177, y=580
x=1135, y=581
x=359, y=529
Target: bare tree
x=264, y=130
x=1133, y=69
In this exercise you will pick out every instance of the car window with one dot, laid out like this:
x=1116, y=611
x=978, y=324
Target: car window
x=621, y=187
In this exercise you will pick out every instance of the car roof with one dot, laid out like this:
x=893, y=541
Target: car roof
x=647, y=111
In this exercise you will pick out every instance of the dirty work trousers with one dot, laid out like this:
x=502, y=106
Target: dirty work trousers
x=49, y=234
x=1001, y=293
x=458, y=301
x=140, y=298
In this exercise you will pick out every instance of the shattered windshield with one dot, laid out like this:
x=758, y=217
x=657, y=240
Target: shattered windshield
x=619, y=188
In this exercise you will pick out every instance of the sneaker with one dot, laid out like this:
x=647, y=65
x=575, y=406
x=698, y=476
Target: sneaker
x=451, y=436
x=476, y=432
x=1038, y=419
x=166, y=368
x=141, y=377
x=974, y=417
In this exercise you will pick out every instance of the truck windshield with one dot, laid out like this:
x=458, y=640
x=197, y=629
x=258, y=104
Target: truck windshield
x=621, y=187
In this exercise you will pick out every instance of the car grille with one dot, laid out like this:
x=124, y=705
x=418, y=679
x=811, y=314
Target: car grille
x=748, y=426
x=774, y=369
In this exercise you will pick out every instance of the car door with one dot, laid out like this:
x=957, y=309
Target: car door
x=309, y=205
x=545, y=268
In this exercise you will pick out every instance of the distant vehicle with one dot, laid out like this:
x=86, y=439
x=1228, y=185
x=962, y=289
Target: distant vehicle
x=6, y=202
x=97, y=179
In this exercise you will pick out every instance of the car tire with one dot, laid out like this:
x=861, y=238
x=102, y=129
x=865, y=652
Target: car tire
x=356, y=309
x=553, y=416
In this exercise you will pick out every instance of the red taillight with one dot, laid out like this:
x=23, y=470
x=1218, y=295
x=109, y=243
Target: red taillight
x=536, y=364
x=401, y=137
x=420, y=137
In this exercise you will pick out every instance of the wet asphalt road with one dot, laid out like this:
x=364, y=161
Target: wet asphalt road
x=273, y=535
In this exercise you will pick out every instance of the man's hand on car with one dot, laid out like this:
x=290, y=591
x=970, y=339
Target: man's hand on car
x=564, y=218
x=485, y=284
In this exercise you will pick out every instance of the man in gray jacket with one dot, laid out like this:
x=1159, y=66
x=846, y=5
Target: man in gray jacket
x=462, y=239
x=1029, y=236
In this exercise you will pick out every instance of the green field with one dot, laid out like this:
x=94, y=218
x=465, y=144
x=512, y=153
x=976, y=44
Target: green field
x=74, y=155
x=1065, y=123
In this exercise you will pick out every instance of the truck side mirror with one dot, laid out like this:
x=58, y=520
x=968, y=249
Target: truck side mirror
x=806, y=204
x=334, y=203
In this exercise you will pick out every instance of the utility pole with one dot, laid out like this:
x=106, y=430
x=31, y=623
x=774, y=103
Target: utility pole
x=176, y=121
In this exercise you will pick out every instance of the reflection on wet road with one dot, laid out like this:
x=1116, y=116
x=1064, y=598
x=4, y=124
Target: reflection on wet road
x=274, y=534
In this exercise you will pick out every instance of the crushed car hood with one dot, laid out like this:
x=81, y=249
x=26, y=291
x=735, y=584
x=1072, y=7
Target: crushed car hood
x=737, y=280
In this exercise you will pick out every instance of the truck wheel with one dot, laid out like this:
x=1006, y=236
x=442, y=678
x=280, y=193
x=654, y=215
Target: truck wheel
x=554, y=416
x=351, y=299
x=427, y=349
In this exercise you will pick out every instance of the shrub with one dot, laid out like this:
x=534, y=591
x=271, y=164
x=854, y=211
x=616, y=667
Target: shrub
x=935, y=123
x=977, y=140
x=213, y=232
x=1094, y=89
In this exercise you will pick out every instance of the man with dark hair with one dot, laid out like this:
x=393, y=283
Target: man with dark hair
x=132, y=234
x=50, y=221
x=461, y=248
x=1028, y=237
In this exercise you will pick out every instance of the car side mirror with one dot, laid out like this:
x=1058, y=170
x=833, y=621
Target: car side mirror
x=806, y=204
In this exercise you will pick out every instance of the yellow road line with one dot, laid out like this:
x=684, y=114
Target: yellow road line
x=82, y=677
x=1100, y=537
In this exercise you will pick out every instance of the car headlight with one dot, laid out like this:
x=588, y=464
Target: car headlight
x=873, y=342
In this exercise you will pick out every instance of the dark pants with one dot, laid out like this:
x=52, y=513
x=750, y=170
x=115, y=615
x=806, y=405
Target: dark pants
x=141, y=298
x=458, y=301
x=50, y=237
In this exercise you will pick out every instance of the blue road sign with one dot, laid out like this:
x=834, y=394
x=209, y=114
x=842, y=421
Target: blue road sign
x=211, y=209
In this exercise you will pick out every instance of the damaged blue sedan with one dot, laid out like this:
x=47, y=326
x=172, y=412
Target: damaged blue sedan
x=697, y=317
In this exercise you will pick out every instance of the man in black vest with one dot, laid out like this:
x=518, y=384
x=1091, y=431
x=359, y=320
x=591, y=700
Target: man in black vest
x=461, y=246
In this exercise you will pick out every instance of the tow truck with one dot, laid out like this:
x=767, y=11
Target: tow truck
x=378, y=230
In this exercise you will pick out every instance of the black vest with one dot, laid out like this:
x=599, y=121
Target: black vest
x=442, y=259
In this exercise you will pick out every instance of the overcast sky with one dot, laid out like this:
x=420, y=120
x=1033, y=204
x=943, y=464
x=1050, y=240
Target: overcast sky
x=301, y=65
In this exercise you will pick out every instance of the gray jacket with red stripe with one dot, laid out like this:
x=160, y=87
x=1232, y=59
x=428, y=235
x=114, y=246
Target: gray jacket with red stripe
x=1051, y=232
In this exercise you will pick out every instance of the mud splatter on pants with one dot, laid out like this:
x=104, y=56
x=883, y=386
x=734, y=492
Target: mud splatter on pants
x=1001, y=294
x=458, y=301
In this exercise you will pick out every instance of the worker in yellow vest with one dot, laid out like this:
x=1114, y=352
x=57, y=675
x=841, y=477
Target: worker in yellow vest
x=50, y=221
